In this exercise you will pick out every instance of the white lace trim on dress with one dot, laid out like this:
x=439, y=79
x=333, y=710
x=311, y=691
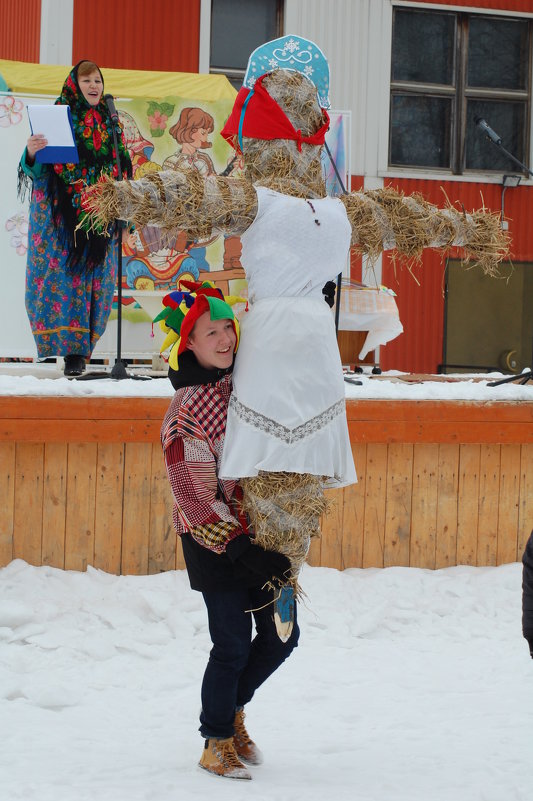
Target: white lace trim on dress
x=275, y=429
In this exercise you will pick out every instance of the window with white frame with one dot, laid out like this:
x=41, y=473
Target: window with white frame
x=237, y=28
x=448, y=69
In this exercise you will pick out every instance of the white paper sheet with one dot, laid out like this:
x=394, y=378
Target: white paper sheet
x=53, y=123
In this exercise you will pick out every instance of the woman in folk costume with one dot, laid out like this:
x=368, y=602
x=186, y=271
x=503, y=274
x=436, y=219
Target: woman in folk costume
x=286, y=434
x=70, y=276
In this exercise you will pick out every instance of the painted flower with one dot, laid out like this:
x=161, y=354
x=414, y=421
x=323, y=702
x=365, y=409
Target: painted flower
x=17, y=222
x=158, y=121
x=57, y=307
x=38, y=194
x=18, y=225
x=36, y=239
x=10, y=111
x=97, y=140
x=20, y=243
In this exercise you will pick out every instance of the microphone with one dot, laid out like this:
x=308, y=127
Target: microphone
x=487, y=130
x=110, y=103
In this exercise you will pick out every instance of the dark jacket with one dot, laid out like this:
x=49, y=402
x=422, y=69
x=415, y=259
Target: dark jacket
x=527, y=593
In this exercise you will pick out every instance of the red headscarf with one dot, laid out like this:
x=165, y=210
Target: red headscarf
x=257, y=115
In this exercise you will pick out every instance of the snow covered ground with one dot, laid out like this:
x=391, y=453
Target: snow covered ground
x=46, y=379
x=408, y=685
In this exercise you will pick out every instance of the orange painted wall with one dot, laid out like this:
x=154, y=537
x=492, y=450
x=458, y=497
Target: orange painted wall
x=20, y=30
x=516, y=6
x=138, y=34
x=357, y=182
x=421, y=307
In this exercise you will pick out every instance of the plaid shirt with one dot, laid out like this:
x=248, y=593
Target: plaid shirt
x=192, y=436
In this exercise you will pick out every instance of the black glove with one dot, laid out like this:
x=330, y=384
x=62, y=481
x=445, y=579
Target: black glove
x=266, y=565
x=328, y=290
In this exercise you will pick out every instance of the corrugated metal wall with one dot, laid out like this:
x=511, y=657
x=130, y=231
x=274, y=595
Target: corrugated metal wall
x=341, y=30
x=138, y=34
x=421, y=308
x=20, y=30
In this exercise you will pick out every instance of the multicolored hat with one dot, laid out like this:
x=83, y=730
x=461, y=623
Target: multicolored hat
x=183, y=307
x=291, y=53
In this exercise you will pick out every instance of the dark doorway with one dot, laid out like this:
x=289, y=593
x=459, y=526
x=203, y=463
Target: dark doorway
x=488, y=322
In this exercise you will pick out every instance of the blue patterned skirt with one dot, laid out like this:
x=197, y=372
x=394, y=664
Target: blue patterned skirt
x=68, y=312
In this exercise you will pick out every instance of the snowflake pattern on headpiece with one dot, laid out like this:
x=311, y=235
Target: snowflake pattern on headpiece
x=291, y=53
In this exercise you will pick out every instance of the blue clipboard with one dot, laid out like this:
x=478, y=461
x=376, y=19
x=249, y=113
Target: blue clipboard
x=64, y=154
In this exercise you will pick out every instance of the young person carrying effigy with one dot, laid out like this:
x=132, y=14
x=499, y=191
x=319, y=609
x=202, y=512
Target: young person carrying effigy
x=287, y=436
x=223, y=561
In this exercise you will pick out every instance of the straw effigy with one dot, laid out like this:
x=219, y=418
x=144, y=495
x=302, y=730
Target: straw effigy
x=285, y=508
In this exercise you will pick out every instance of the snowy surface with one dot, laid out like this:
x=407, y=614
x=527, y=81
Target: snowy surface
x=408, y=685
x=27, y=379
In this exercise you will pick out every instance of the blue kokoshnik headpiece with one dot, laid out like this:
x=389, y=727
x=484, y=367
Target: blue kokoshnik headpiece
x=291, y=53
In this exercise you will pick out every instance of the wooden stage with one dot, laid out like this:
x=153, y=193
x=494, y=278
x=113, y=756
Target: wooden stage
x=82, y=482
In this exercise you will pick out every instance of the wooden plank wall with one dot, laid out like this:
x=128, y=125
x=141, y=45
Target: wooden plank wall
x=72, y=505
x=430, y=505
x=440, y=483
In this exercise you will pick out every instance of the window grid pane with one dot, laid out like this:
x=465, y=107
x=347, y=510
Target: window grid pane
x=413, y=59
x=420, y=131
x=498, y=55
x=508, y=120
x=238, y=27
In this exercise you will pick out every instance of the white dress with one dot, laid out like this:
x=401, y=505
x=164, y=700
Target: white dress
x=287, y=411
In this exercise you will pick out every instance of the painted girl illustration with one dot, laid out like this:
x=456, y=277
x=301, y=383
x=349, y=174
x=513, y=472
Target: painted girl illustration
x=191, y=132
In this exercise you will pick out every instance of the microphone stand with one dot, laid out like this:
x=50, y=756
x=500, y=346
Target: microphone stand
x=339, y=277
x=504, y=150
x=118, y=371
x=526, y=375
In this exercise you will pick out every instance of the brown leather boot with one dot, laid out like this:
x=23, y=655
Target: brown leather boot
x=244, y=745
x=220, y=757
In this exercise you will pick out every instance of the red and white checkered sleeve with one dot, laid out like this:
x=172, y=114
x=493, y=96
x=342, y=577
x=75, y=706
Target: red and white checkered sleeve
x=191, y=469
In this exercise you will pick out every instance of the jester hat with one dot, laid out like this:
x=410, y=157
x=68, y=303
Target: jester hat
x=256, y=114
x=183, y=307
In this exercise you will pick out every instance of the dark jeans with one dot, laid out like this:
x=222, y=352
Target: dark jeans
x=238, y=664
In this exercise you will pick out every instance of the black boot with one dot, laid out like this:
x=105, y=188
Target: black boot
x=74, y=364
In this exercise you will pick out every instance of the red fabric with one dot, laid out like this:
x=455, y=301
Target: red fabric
x=192, y=436
x=199, y=306
x=265, y=119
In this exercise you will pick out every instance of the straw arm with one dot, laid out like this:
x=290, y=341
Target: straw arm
x=384, y=219
x=176, y=201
